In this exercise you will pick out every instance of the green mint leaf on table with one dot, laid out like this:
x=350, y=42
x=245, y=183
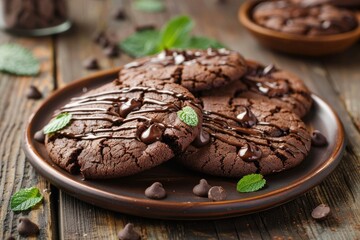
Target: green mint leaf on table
x=59, y=122
x=197, y=42
x=176, y=33
x=141, y=43
x=25, y=199
x=188, y=115
x=250, y=183
x=18, y=60
x=149, y=5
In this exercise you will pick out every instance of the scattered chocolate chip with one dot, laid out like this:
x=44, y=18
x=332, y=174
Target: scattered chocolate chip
x=91, y=64
x=33, y=93
x=318, y=139
x=39, y=136
x=111, y=51
x=98, y=36
x=140, y=28
x=155, y=191
x=217, y=193
x=320, y=212
x=202, y=188
x=120, y=14
x=128, y=233
x=26, y=227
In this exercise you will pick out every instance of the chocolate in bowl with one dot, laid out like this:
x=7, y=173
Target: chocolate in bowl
x=311, y=18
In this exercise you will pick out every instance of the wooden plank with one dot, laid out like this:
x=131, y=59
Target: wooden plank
x=15, y=172
x=290, y=221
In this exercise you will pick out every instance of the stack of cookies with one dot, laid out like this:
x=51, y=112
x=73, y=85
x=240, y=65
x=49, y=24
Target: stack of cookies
x=210, y=110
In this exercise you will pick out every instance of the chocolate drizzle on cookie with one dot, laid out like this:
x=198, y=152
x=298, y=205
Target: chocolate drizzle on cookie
x=251, y=130
x=122, y=110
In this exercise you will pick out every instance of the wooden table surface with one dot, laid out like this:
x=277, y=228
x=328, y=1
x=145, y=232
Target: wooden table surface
x=335, y=78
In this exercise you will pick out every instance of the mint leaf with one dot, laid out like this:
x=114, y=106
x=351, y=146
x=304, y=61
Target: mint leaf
x=59, y=122
x=141, y=43
x=175, y=34
x=149, y=5
x=25, y=199
x=197, y=42
x=250, y=183
x=17, y=60
x=188, y=115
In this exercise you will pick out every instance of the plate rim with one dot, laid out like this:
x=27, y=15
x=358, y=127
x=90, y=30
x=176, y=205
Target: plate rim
x=90, y=194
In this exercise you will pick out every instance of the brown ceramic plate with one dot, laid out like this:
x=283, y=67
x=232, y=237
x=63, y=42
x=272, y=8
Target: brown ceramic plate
x=293, y=43
x=127, y=194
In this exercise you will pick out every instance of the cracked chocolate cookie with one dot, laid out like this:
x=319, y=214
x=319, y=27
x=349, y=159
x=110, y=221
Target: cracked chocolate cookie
x=121, y=129
x=240, y=136
x=277, y=86
x=194, y=69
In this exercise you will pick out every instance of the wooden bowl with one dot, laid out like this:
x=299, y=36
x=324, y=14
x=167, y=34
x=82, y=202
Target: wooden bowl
x=293, y=43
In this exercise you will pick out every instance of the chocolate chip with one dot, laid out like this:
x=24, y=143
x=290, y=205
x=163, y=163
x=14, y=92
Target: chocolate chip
x=91, y=64
x=250, y=152
x=140, y=28
x=155, y=191
x=128, y=233
x=320, y=212
x=119, y=14
x=202, y=188
x=269, y=69
x=26, y=227
x=202, y=139
x=39, y=136
x=153, y=133
x=33, y=93
x=111, y=51
x=318, y=139
x=98, y=37
x=217, y=193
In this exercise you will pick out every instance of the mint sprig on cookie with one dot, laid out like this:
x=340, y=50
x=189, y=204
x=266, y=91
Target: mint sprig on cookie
x=58, y=123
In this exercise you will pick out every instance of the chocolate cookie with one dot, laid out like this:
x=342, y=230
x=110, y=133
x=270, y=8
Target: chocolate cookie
x=277, y=86
x=194, y=69
x=304, y=17
x=122, y=129
x=242, y=136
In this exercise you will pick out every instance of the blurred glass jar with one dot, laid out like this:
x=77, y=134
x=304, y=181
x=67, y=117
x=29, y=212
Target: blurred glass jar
x=34, y=17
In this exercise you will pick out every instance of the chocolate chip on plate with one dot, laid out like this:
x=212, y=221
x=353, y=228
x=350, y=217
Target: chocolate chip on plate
x=140, y=28
x=155, y=191
x=39, y=136
x=91, y=64
x=320, y=212
x=99, y=36
x=202, y=188
x=217, y=193
x=119, y=14
x=26, y=227
x=33, y=93
x=128, y=233
x=318, y=139
x=111, y=51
